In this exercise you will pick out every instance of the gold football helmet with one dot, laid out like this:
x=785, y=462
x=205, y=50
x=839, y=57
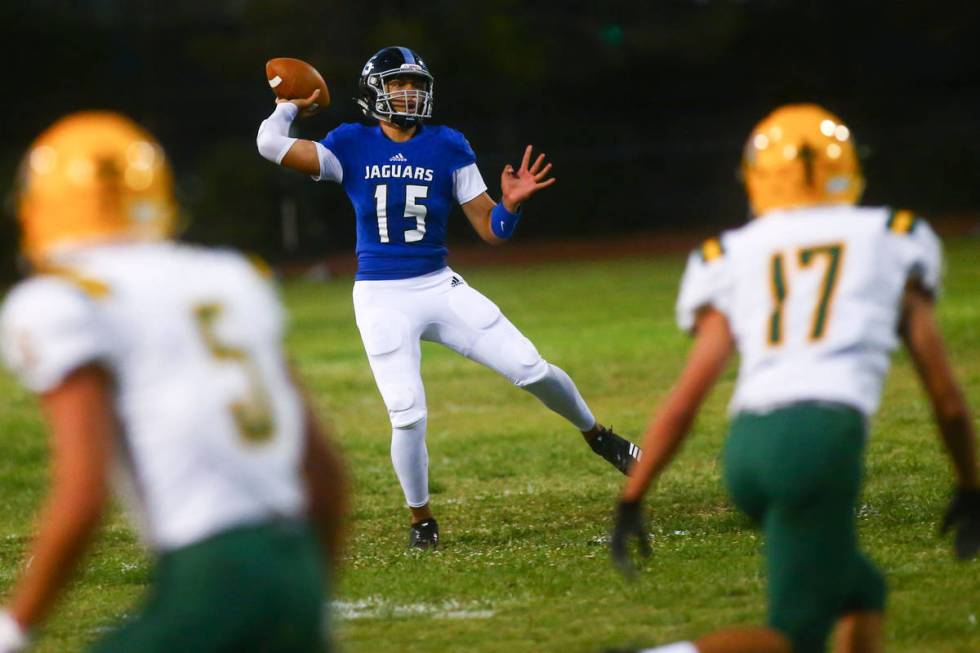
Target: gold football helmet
x=93, y=176
x=800, y=155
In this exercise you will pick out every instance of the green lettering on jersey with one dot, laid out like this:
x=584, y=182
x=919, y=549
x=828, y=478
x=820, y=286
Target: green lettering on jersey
x=253, y=414
x=834, y=253
x=777, y=279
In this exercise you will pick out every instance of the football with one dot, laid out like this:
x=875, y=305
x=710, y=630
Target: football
x=293, y=79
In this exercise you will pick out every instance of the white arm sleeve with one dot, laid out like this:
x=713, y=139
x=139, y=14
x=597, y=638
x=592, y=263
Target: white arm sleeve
x=330, y=168
x=468, y=183
x=273, y=139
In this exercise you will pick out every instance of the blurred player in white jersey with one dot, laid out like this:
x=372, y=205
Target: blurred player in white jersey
x=403, y=176
x=163, y=364
x=814, y=294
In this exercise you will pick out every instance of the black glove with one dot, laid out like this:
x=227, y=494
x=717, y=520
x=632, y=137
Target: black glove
x=963, y=516
x=629, y=523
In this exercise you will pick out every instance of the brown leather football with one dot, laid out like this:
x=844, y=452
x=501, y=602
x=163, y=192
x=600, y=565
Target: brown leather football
x=293, y=79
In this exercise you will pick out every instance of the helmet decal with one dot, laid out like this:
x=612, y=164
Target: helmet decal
x=807, y=156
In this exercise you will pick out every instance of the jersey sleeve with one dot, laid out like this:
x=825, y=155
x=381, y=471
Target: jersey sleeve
x=331, y=150
x=461, y=154
x=48, y=329
x=468, y=183
x=927, y=258
x=330, y=167
x=922, y=249
x=706, y=282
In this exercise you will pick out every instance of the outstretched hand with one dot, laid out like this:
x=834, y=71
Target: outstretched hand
x=516, y=186
x=963, y=516
x=307, y=106
x=629, y=525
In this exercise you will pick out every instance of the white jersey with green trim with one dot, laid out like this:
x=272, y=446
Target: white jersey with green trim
x=813, y=298
x=210, y=423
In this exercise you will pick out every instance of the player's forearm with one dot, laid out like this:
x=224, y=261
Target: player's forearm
x=660, y=445
x=328, y=493
x=79, y=412
x=479, y=212
x=920, y=331
x=329, y=514
x=273, y=140
x=503, y=220
x=485, y=230
x=952, y=418
x=67, y=526
x=275, y=144
x=713, y=345
x=959, y=438
x=329, y=508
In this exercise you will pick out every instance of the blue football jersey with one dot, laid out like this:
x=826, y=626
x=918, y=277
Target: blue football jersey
x=402, y=194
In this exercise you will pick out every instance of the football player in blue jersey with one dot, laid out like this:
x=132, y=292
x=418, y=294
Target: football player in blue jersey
x=402, y=176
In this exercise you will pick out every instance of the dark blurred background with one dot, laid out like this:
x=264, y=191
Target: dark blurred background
x=642, y=106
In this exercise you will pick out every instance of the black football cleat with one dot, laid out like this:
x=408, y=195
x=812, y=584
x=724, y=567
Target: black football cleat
x=424, y=535
x=620, y=452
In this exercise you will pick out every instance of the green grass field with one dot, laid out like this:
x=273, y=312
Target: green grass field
x=524, y=505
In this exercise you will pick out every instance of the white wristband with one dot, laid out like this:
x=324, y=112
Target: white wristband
x=273, y=138
x=12, y=636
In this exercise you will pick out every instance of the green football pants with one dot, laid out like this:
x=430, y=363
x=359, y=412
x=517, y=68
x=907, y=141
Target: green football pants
x=255, y=589
x=797, y=472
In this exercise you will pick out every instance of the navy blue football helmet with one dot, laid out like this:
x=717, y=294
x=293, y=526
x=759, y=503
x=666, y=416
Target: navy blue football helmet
x=375, y=99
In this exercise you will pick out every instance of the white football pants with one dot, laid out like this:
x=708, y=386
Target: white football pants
x=394, y=316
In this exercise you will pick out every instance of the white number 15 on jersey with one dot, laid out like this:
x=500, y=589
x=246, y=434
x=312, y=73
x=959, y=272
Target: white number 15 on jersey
x=412, y=210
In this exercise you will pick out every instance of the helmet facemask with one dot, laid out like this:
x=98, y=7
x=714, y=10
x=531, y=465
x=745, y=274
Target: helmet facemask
x=404, y=108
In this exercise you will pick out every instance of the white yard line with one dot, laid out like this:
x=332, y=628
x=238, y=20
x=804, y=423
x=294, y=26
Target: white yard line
x=378, y=608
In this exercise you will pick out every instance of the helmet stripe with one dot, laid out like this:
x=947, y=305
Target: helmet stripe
x=407, y=54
